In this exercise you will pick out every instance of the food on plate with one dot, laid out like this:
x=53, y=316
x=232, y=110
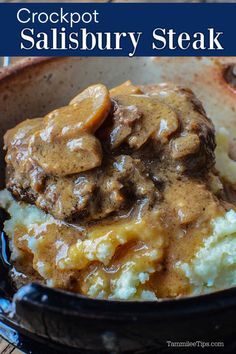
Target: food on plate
x=123, y=194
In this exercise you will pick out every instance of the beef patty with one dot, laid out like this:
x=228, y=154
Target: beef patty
x=109, y=153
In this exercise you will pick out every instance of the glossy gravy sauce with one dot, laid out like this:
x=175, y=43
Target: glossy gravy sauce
x=127, y=176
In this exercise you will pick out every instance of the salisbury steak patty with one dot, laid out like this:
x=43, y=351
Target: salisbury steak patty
x=109, y=153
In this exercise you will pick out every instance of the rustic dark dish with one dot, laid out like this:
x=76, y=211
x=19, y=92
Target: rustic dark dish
x=35, y=315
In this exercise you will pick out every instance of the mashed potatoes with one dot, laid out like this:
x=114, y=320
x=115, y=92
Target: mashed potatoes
x=214, y=265
x=224, y=164
x=32, y=231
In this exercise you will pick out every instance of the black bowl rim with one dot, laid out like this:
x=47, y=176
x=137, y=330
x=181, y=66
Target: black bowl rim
x=56, y=300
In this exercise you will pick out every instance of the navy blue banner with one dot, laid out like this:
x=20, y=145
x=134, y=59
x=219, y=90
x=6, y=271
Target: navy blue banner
x=117, y=29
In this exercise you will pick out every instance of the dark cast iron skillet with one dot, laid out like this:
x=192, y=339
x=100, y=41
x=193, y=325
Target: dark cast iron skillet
x=41, y=320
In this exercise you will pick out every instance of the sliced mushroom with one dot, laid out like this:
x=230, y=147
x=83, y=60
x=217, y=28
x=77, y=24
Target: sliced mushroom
x=126, y=88
x=66, y=145
x=67, y=156
x=153, y=112
x=86, y=112
x=185, y=145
